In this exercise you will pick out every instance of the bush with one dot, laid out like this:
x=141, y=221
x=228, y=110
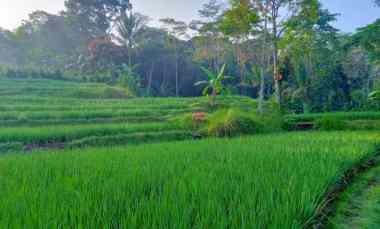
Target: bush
x=233, y=122
x=330, y=123
x=10, y=147
x=189, y=122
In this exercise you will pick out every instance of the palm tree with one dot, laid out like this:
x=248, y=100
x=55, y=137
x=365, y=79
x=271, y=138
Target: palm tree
x=129, y=28
x=214, y=85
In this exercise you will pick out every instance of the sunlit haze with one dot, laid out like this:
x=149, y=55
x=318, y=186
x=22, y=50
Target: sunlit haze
x=353, y=13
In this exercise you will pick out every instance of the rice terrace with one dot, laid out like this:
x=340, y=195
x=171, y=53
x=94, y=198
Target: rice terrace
x=243, y=114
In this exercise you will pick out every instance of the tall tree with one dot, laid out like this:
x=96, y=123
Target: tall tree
x=48, y=41
x=262, y=7
x=129, y=27
x=208, y=41
x=175, y=31
x=238, y=24
x=308, y=34
x=95, y=17
x=277, y=23
x=369, y=38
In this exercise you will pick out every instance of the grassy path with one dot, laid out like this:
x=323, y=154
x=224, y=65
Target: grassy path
x=359, y=206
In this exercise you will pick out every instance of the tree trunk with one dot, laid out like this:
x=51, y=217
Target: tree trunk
x=213, y=97
x=150, y=79
x=176, y=77
x=239, y=63
x=277, y=80
x=307, y=102
x=263, y=64
x=163, y=83
x=129, y=56
x=217, y=55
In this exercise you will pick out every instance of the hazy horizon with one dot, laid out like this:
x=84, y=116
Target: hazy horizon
x=351, y=12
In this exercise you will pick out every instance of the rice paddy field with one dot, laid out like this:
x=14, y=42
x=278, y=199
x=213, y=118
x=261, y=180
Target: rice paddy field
x=47, y=114
x=369, y=120
x=80, y=162
x=270, y=181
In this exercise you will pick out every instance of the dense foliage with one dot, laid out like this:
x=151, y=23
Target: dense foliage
x=286, y=49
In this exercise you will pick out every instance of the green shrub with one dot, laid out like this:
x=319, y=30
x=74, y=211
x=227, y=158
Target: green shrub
x=330, y=123
x=232, y=122
x=11, y=147
x=187, y=122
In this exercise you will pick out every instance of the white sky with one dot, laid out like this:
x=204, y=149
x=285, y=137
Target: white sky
x=354, y=13
x=12, y=12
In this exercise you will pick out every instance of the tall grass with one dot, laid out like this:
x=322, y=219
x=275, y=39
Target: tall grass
x=269, y=181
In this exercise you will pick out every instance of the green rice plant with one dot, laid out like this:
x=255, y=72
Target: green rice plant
x=67, y=133
x=131, y=139
x=330, y=123
x=369, y=115
x=36, y=102
x=363, y=125
x=291, y=121
x=265, y=181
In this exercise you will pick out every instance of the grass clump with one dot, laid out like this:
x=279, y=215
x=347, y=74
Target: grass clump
x=10, y=147
x=191, y=121
x=232, y=122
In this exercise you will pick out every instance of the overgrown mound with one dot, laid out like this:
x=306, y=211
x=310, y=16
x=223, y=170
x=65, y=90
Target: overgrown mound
x=231, y=122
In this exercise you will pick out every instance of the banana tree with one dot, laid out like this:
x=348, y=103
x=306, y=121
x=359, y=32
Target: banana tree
x=214, y=84
x=374, y=96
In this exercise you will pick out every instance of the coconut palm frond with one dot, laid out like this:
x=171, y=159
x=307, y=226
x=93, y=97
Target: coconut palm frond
x=199, y=83
x=208, y=73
